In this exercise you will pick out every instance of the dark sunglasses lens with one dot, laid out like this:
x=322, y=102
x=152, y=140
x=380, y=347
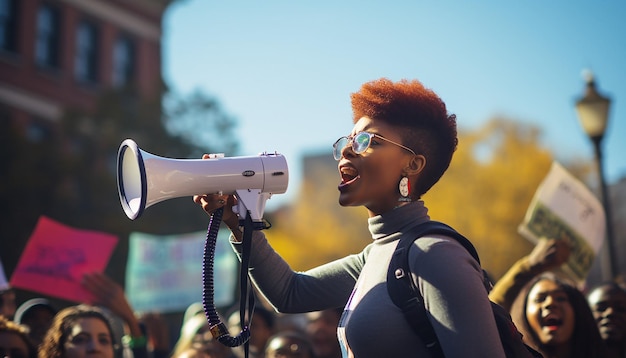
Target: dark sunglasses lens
x=338, y=147
x=361, y=142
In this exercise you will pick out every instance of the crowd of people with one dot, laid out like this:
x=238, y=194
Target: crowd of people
x=553, y=314
x=109, y=327
x=401, y=144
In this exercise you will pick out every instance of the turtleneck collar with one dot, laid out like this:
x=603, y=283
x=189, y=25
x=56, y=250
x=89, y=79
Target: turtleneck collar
x=398, y=219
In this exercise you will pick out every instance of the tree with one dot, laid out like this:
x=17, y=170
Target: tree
x=70, y=175
x=487, y=189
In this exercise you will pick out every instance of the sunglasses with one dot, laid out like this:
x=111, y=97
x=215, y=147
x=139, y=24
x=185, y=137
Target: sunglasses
x=360, y=143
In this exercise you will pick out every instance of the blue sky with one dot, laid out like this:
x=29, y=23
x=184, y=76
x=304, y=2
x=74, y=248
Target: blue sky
x=285, y=69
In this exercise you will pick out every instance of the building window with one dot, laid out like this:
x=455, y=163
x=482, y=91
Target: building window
x=8, y=25
x=123, y=61
x=86, y=63
x=48, y=35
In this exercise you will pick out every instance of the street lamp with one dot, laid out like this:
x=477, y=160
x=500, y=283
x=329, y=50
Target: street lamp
x=593, y=114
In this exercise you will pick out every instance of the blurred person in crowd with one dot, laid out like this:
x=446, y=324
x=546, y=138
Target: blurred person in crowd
x=196, y=335
x=193, y=309
x=621, y=280
x=608, y=304
x=289, y=344
x=78, y=331
x=555, y=319
x=321, y=328
x=7, y=302
x=14, y=341
x=193, y=352
x=291, y=322
x=261, y=328
x=36, y=314
x=158, y=333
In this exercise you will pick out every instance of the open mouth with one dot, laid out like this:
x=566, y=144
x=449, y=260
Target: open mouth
x=348, y=175
x=552, y=323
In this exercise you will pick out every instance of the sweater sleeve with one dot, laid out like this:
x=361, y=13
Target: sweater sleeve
x=509, y=286
x=451, y=283
x=326, y=286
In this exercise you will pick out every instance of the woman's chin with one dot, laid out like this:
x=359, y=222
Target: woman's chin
x=346, y=200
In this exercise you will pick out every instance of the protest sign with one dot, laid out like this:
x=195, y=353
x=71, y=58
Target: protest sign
x=164, y=273
x=564, y=208
x=56, y=258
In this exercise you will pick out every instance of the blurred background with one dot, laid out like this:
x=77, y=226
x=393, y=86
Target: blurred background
x=188, y=77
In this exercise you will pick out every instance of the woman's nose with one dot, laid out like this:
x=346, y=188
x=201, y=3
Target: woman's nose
x=549, y=301
x=92, y=345
x=347, y=149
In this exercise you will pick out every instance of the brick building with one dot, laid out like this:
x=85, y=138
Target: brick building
x=58, y=54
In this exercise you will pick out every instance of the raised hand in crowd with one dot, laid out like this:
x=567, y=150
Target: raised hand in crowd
x=111, y=295
x=548, y=254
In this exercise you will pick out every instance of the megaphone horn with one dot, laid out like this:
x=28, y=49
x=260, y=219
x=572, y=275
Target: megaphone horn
x=144, y=179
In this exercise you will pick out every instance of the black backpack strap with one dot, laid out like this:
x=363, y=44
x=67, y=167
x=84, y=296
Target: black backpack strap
x=402, y=289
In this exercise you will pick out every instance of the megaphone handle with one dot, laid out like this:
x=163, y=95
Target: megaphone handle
x=218, y=329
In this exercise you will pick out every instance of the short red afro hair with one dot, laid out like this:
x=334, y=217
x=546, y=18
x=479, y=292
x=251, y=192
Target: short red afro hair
x=422, y=117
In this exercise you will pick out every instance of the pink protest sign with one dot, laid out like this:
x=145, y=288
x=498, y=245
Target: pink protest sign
x=57, y=256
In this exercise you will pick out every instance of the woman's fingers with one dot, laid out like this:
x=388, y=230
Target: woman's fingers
x=212, y=202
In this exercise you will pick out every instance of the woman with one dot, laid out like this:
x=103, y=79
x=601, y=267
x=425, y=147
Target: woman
x=555, y=319
x=401, y=144
x=79, y=331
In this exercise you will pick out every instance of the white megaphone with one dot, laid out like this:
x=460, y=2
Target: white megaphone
x=144, y=179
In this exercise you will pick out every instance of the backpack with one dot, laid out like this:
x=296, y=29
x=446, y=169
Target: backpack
x=406, y=296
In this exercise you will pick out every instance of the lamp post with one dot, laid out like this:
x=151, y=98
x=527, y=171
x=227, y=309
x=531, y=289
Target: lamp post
x=593, y=114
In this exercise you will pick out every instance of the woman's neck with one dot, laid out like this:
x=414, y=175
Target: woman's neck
x=557, y=351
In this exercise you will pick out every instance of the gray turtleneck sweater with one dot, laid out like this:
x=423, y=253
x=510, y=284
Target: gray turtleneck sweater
x=449, y=279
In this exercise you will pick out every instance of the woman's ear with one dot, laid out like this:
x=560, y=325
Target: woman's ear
x=415, y=165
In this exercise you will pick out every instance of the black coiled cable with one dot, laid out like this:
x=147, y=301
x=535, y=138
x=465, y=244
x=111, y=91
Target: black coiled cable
x=218, y=329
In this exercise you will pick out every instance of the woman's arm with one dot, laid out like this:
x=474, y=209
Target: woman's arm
x=548, y=254
x=451, y=282
x=326, y=286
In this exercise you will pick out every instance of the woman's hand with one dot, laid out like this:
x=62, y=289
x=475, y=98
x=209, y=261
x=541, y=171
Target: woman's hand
x=211, y=202
x=549, y=254
x=110, y=294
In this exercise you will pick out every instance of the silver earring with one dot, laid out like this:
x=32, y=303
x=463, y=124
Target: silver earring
x=405, y=189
